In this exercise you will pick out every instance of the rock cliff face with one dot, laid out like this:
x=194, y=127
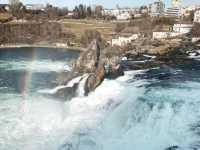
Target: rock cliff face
x=89, y=60
x=94, y=80
x=98, y=64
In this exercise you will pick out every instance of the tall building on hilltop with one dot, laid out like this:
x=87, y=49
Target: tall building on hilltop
x=197, y=16
x=157, y=8
x=175, y=10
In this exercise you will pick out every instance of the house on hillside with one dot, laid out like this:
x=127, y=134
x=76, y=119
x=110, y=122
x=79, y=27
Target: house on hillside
x=157, y=8
x=4, y=7
x=110, y=12
x=121, y=13
x=186, y=11
x=144, y=10
x=161, y=32
x=35, y=7
x=182, y=27
x=173, y=12
x=197, y=16
x=165, y=35
x=124, y=39
x=178, y=29
x=123, y=16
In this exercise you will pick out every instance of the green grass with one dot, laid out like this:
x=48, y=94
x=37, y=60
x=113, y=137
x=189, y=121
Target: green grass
x=79, y=26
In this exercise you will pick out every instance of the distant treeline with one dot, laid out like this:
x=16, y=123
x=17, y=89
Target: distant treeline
x=50, y=12
x=83, y=11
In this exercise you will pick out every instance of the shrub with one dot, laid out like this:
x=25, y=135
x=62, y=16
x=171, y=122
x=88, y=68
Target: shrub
x=89, y=35
x=119, y=27
x=196, y=30
x=163, y=21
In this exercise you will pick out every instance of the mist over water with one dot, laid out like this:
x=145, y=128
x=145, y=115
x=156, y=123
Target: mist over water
x=42, y=64
x=143, y=110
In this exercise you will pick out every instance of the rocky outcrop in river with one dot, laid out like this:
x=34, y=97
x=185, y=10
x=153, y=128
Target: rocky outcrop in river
x=111, y=62
x=98, y=64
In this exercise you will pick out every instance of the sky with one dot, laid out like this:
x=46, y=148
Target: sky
x=106, y=3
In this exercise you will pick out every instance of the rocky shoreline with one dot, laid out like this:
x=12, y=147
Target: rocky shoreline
x=111, y=62
x=56, y=45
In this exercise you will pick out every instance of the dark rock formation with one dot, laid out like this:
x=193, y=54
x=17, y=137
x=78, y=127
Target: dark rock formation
x=174, y=148
x=94, y=79
x=67, y=93
x=89, y=60
x=98, y=63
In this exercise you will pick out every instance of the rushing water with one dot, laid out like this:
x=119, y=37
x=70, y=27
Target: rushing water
x=150, y=109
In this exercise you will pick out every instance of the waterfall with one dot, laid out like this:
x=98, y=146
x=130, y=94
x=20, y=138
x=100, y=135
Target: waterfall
x=127, y=113
x=71, y=83
x=81, y=86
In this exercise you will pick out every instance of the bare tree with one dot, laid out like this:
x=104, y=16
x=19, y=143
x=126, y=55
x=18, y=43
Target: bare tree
x=89, y=35
x=16, y=8
x=196, y=30
x=98, y=11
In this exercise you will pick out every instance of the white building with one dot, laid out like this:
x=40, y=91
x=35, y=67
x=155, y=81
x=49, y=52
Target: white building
x=4, y=7
x=124, y=16
x=161, y=35
x=165, y=35
x=138, y=15
x=178, y=30
x=185, y=11
x=174, y=12
x=110, y=12
x=144, y=10
x=123, y=40
x=157, y=8
x=35, y=7
x=197, y=16
x=120, y=12
x=182, y=28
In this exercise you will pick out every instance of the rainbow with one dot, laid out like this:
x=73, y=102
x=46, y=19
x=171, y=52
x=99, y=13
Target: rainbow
x=27, y=77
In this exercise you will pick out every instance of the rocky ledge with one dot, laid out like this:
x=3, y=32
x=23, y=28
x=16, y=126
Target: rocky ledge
x=96, y=64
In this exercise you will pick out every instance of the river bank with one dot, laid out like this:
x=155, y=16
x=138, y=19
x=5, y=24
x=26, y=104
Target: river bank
x=56, y=45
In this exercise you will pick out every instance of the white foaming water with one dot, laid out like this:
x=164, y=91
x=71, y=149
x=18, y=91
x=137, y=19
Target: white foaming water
x=35, y=65
x=119, y=114
x=81, y=90
x=163, y=120
x=46, y=124
x=56, y=89
x=194, y=55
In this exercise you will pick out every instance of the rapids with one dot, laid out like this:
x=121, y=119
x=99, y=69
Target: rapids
x=150, y=109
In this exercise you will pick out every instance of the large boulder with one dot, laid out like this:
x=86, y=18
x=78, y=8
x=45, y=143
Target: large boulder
x=174, y=148
x=94, y=60
x=88, y=60
x=94, y=79
x=98, y=64
x=66, y=93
